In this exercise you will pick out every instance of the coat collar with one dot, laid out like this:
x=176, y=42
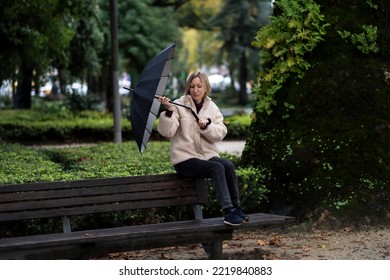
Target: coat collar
x=188, y=101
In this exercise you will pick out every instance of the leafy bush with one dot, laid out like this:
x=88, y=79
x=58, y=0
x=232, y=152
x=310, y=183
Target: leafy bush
x=238, y=126
x=35, y=126
x=19, y=164
x=5, y=102
x=52, y=123
x=77, y=103
x=324, y=135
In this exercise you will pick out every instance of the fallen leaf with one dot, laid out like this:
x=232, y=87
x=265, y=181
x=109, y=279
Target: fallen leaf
x=261, y=242
x=275, y=242
x=306, y=248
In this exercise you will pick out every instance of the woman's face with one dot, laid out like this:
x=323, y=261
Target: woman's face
x=197, y=90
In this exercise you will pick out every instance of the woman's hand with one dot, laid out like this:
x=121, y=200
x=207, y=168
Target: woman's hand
x=166, y=102
x=203, y=123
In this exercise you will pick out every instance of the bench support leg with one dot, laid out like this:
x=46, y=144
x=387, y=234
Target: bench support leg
x=213, y=249
x=66, y=224
x=197, y=212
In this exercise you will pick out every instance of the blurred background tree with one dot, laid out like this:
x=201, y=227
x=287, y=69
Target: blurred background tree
x=237, y=23
x=67, y=42
x=32, y=35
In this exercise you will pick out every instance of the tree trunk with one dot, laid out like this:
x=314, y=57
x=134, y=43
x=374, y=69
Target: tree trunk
x=62, y=81
x=22, y=98
x=97, y=86
x=242, y=79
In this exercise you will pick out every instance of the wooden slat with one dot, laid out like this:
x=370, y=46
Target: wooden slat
x=91, y=182
x=93, y=191
x=102, y=208
x=32, y=193
x=48, y=204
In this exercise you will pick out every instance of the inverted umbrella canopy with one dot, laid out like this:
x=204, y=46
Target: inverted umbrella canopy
x=144, y=106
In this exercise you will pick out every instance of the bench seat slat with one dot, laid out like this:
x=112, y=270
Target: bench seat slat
x=125, y=235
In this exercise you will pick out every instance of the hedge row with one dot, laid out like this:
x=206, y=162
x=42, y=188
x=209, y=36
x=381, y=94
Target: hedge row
x=32, y=127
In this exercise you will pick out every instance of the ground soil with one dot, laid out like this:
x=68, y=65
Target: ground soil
x=287, y=242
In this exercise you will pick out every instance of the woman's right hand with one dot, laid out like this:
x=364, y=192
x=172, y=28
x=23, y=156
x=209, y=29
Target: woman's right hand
x=166, y=102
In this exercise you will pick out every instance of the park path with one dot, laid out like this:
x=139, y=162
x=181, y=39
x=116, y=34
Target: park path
x=232, y=147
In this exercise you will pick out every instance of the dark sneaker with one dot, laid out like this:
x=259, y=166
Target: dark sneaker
x=242, y=214
x=233, y=218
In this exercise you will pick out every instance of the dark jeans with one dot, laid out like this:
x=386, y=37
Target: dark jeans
x=221, y=171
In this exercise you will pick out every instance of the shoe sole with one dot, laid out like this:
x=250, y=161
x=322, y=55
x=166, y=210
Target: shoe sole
x=230, y=224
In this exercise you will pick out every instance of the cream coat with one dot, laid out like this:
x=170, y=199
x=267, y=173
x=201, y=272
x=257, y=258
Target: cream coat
x=188, y=140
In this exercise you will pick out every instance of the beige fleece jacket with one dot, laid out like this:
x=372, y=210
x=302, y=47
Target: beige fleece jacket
x=188, y=140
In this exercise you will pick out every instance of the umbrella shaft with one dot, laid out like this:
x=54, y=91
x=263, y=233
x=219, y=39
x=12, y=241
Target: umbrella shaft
x=184, y=106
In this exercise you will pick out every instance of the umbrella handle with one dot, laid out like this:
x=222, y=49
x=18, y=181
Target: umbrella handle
x=181, y=105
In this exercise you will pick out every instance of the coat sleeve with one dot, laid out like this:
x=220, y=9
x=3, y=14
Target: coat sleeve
x=167, y=126
x=216, y=131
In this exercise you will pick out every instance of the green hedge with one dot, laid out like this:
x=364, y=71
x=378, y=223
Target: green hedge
x=61, y=126
x=33, y=126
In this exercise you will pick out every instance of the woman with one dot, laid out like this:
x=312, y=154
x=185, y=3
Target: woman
x=194, y=152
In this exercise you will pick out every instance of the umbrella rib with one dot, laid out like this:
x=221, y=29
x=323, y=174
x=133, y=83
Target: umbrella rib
x=144, y=108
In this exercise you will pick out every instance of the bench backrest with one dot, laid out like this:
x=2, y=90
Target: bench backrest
x=58, y=199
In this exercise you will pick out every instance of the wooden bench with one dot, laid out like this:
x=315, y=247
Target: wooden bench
x=67, y=200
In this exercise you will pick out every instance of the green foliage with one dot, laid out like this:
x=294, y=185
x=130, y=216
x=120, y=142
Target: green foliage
x=87, y=43
x=53, y=123
x=237, y=23
x=19, y=164
x=63, y=122
x=5, y=102
x=253, y=188
x=285, y=42
x=35, y=31
x=77, y=102
x=238, y=126
x=143, y=30
x=325, y=142
x=364, y=41
x=372, y=5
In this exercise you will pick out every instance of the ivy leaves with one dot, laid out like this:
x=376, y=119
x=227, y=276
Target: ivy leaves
x=284, y=42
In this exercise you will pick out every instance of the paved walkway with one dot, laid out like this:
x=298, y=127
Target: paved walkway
x=232, y=147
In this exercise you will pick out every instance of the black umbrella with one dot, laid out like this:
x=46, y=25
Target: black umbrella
x=144, y=105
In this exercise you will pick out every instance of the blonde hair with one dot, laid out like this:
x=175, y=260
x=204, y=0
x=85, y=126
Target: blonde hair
x=204, y=80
